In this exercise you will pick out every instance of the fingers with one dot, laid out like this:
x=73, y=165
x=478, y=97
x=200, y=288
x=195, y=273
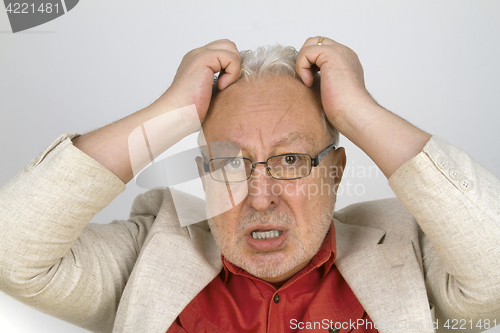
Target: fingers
x=226, y=59
x=312, y=54
x=342, y=77
x=222, y=44
x=230, y=69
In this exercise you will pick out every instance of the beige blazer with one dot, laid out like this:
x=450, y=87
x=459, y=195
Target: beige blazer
x=137, y=275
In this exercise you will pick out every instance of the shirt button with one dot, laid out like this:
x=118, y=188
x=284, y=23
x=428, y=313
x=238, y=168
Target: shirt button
x=333, y=330
x=465, y=184
x=442, y=163
x=454, y=174
x=276, y=298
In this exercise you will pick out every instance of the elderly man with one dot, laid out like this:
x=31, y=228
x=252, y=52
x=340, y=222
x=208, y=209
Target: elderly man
x=274, y=260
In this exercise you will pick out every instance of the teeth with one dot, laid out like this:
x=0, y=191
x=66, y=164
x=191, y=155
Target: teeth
x=266, y=234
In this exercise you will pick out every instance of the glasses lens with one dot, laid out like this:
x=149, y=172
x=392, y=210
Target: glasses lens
x=290, y=166
x=230, y=169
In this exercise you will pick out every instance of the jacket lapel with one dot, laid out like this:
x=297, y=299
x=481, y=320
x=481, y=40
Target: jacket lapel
x=385, y=277
x=161, y=285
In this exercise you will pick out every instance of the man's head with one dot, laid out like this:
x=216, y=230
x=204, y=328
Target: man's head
x=270, y=112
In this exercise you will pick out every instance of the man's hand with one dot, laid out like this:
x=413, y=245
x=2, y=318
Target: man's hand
x=110, y=145
x=389, y=140
x=342, y=80
x=193, y=82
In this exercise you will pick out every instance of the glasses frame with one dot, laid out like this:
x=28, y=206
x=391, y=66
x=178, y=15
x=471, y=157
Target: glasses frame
x=314, y=163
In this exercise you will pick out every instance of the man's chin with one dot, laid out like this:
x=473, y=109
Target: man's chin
x=270, y=265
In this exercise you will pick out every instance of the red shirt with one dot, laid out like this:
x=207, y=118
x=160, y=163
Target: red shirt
x=313, y=300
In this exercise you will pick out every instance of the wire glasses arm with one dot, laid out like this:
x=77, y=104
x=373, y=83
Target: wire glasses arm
x=316, y=160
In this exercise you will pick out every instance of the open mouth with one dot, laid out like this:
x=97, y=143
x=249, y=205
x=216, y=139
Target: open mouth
x=267, y=240
x=266, y=237
x=266, y=234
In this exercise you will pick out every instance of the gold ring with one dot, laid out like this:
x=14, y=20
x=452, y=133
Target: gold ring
x=320, y=40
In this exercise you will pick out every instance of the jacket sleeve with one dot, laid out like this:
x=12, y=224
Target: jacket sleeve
x=50, y=257
x=457, y=204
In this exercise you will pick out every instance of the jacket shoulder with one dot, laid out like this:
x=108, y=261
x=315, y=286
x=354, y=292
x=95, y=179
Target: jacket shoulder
x=175, y=209
x=386, y=214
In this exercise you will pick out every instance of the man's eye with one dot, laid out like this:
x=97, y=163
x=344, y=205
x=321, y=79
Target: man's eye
x=290, y=159
x=235, y=164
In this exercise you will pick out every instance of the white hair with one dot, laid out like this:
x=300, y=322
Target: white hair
x=278, y=61
x=267, y=61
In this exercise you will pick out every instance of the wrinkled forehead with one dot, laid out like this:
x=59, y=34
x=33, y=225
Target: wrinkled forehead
x=275, y=111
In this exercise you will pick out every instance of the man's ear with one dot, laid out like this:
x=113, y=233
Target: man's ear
x=201, y=171
x=338, y=165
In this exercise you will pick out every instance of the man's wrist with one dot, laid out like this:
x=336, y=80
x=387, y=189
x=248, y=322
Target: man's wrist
x=386, y=138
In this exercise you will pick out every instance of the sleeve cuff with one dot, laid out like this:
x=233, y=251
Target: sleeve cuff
x=443, y=173
x=74, y=170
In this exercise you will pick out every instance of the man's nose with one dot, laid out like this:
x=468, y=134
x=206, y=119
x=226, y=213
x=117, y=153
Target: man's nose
x=263, y=191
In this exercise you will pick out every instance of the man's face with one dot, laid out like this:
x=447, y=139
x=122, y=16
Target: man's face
x=267, y=118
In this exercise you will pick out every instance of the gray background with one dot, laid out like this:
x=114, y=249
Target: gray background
x=434, y=63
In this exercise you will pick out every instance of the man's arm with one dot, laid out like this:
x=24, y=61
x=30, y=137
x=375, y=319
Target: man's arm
x=49, y=257
x=192, y=86
x=389, y=140
x=455, y=200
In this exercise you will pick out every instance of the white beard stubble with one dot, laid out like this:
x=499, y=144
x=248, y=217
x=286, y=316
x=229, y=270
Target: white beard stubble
x=273, y=264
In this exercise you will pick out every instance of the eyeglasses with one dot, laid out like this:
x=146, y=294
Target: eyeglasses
x=283, y=167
